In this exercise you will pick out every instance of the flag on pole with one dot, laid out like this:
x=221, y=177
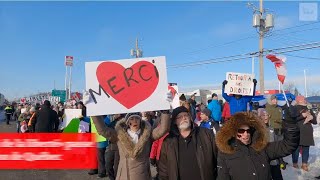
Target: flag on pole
x=280, y=65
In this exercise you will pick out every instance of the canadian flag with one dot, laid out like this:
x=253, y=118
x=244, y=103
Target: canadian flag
x=280, y=65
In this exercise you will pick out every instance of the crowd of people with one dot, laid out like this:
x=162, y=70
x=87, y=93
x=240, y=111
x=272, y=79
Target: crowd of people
x=237, y=139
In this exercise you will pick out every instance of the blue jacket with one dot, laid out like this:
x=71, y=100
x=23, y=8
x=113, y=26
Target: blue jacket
x=208, y=124
x=104, y=144
x=237, y=105
x=215, y=108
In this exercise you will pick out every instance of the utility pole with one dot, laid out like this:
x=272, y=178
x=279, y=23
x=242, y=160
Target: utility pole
x=264, y=23
x=261, y=33
x=137, y=53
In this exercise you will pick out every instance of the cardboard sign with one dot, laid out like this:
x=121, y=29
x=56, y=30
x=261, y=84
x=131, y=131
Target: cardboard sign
x=23, y=110
x=70, y=114
x=239, y=83
x=173, y=88
x=129, y=85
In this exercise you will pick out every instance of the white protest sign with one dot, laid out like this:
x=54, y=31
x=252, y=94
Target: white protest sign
x=69, y=114
x=173, y=88
x=23, y=110
x=129, y=85
x=40, y=99
x=239, y=83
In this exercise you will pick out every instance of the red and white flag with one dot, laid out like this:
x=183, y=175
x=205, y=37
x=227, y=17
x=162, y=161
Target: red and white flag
x=280, y=65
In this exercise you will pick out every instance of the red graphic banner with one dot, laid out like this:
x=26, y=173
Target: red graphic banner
x=48, y=151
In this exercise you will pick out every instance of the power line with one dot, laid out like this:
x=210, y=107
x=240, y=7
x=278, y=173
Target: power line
x=283, y=50
x=301, y=25
x=302, y=57
x=300, y=45
x=293, y=32
x=249, y=37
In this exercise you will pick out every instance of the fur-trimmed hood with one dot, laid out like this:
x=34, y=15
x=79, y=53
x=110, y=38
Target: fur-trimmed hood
x=133, y=150
x=228, y=132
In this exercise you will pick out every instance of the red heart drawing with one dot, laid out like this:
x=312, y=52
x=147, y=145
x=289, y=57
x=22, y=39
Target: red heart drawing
x=129, y=86
x=22, y=100
x=173, y=91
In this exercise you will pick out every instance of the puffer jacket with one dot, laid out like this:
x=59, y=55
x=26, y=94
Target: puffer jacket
x=237, y=161
x=237, y=105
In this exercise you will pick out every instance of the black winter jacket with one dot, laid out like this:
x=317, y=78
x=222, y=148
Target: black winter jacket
x=206, y=154
x=237, y=161
x=46, y=120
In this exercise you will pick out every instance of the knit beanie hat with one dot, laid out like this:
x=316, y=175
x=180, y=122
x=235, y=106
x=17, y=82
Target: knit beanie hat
x=207, y=112
x=130, y=115
x=177, y=111
x=182, y=97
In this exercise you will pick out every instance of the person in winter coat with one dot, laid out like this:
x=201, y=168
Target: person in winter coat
x=215, y=107
x=277, y=164
x=17, y=114
x=188, y=152
x=46, y=119
x=101, y=152
x=208, y=122
x=226, y=112
x=155, y=152
x=275, y=116
x=112, y=158
x=9, y=111
x=193, y=104
x=238, y=103
x=134, y=138
x=305, y=119
x=244, y=150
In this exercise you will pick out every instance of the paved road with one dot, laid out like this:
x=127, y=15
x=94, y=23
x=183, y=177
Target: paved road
x=42, y=174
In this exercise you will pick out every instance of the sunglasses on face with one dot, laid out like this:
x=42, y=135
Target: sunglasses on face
x=241, y=131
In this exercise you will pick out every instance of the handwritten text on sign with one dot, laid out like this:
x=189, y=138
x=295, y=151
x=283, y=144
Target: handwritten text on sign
x=47, y=151
x=239, y=83
x=130, y=85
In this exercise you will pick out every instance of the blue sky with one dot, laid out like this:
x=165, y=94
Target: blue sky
x=35, y=37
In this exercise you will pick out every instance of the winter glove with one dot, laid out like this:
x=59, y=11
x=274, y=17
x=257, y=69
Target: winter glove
x=86, y=97
x=153, y=161
x=254, y=81
x=169, y=96
x=224, y=82
x=283, y=165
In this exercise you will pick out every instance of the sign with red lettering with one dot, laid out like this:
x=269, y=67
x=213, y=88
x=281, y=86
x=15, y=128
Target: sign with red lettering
x=47, y=151
x=129, y=85
x=239, y=83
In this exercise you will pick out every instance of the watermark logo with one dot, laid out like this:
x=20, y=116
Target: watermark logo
x=308, y=11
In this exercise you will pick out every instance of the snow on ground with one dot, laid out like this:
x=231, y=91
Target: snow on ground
x=314, y=162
